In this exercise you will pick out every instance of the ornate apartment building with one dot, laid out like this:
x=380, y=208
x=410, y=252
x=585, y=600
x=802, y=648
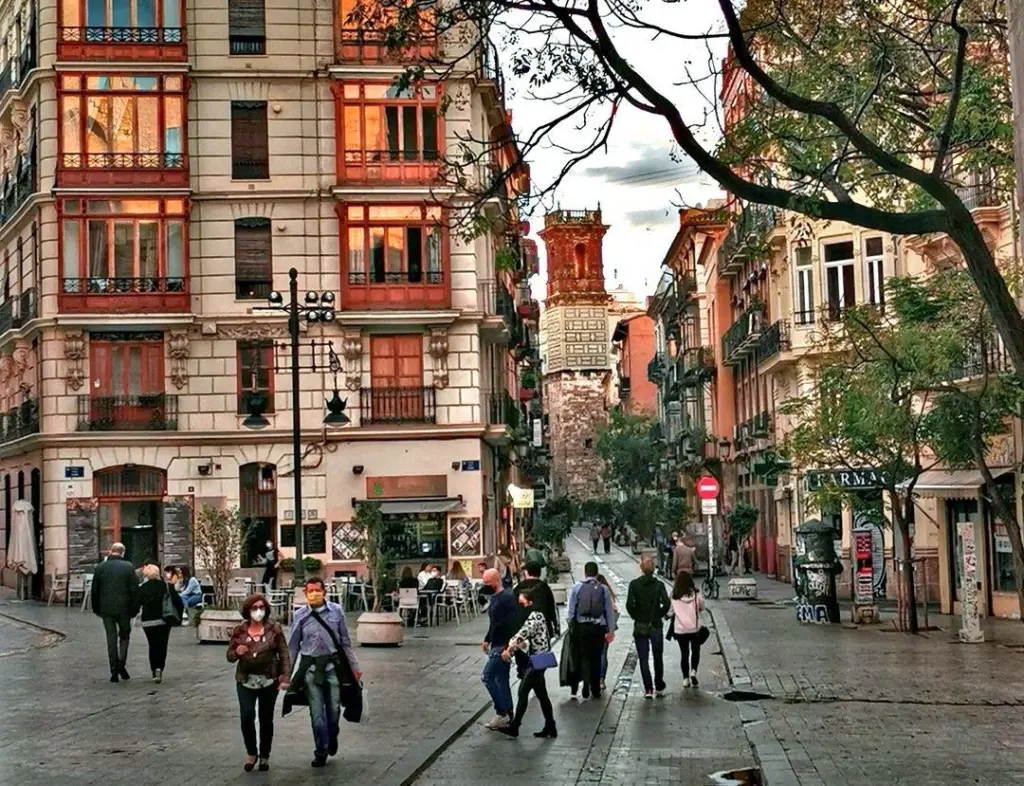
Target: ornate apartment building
x=163, y=167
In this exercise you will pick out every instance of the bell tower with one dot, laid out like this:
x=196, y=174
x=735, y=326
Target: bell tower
x=574, y=333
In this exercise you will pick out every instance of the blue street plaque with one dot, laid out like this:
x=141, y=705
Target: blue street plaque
x=470, y=466
x=70, y=473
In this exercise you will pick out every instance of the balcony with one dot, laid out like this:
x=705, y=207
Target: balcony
x=17, y=190
x=391, y=406
x=746, y=237
x=125, y=296
x=121, y=43
x=400, y=289
x=773, y=341
x=558, y=217
x=247, y=44
x=994, y=360
x=741, y=339
x=399, y=167
x=22, y=421
x=979, y=190
x=656, y=369
x=152, y=412
x=135, y=169
x=250, y=169
x=370, y=47
x=501, y=319
x=16, y=311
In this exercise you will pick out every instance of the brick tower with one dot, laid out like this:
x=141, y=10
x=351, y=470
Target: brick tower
x=574, y=331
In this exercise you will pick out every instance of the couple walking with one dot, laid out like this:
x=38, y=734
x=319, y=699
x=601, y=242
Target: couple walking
x=647, y=603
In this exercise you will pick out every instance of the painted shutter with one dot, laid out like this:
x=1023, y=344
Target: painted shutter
x=383, y=362
x=409, y=350
x=152, y=369
x=247, y=18
x=249, y=146
x=253, y=251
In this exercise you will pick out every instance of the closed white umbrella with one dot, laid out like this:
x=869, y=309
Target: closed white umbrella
x=21, y=554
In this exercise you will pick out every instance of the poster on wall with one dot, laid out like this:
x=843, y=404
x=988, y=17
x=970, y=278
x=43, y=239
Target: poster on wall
x=864, y=579
x=878, y=560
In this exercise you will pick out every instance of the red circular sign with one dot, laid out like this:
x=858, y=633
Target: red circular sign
x=707, y=488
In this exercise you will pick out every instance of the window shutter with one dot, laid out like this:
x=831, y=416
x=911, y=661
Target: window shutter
x=249, y=146
x=253, y=250
x=246, y=18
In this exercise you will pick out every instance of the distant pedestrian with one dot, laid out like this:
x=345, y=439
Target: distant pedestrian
x=260, y=649
x=502, y=614
x=327, y=666
x=590, y=610
x=152, y=594
x=542, y=596
x=683, y=557
x=271, y=558
x=614, y=626
x=115, y=600
x=647, y=603
x=595, y=535
x=191, y=590
x=687, y=604
x=533, y=639
x=606, y=536
x=507, y=567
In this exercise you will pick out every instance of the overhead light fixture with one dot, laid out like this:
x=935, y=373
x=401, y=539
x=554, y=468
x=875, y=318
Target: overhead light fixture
x=336, y=411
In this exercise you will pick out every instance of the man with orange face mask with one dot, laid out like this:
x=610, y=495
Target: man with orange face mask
x=321, y=645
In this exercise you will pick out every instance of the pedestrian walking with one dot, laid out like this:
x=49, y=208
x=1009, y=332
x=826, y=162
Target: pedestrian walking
x=328, y=669
x=590, y=611
x=501, y=612
x=687, y=604
x=542, y=596
x=606, y=536
x=154, y=595
x=647, y=603
x=613, y=627
x=534, y=640
x=507, y=566
x=683, y=557
x=115, y=600
x=271, y=558
x=260, y=650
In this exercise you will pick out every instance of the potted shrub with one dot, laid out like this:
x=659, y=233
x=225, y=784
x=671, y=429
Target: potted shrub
x=219, y=538
x=376, y=626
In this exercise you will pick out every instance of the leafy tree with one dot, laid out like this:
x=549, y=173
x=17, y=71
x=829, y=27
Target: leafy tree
x=742, y=519
x=375, y=529
x=630, y=451
x=219, y=537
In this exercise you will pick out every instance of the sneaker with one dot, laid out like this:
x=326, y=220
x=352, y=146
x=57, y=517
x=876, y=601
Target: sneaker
x=319, y=760
x=693, y=681
x=158, y=676
x=659, y=691
x=497, y=722
x=649, y=695
x=686, y=682
x=115, y=677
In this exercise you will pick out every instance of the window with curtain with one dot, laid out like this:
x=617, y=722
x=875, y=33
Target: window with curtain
x=803, y=293
x=255, y=372
x=874, y=271
x=250, y=147
x=839, y=278
x=394, y=244
x=254, y=265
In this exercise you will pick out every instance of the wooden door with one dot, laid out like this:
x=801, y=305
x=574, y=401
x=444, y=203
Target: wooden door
x=396, y=378
x=127, y=383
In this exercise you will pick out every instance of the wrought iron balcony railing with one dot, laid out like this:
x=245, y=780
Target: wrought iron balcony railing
x=122, y=286
x=247, y=44
x=17, y=310
x=121, y=35
x=390, y=405
x=375, y=46
x=359, y=277
x=250, y=169
x=747, y=231
x=21, y=421
x=144, y=412
x=123, y=160
x=742, y=336
x=773, y=341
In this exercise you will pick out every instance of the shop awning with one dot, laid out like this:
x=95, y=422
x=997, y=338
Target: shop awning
x=409, y=505
x=953, y=483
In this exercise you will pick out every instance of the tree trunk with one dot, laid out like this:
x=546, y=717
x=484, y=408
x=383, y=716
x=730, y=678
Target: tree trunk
x=907, y=571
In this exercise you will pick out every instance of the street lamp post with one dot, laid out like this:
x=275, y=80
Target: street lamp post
x=316, y=308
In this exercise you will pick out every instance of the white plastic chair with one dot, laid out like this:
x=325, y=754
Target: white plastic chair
x=87, y=595
x=76, y=587
x=409, y=600
x=58, y=586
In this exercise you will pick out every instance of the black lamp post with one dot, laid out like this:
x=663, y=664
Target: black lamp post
x=316, y=308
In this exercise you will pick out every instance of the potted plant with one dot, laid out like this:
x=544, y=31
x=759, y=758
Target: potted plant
x=219, y=538
x=376, y=626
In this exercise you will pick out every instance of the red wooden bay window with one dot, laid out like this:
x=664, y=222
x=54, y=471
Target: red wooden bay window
x=388, y=134
x=120, y=30
x=124, y=255
x=122, y=130
x=362, y=32
x=396, y=256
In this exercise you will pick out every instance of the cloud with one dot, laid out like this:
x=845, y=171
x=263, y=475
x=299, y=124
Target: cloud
x=652, y=217
x=653, y=166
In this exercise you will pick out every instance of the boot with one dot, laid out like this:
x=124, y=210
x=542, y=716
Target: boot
x=549, y=731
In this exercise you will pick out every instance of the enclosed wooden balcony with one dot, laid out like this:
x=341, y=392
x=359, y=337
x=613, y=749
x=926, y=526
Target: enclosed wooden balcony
x=147, y=295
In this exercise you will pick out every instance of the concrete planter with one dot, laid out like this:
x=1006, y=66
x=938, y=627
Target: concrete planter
x=561, y=593
x=215, y=625
x=380, y=629
x=742, y=589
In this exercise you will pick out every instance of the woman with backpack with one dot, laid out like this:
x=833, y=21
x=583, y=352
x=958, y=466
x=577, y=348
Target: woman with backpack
x=685, y=627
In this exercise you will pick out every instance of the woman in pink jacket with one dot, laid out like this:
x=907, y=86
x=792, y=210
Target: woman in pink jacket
x=686, y=607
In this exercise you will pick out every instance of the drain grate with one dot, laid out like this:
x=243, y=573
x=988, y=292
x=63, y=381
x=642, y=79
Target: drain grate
x=746, y=695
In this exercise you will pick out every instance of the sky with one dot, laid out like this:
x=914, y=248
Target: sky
x=642, y=179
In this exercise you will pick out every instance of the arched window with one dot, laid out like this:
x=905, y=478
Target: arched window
x=130, y=480
x=580, y=260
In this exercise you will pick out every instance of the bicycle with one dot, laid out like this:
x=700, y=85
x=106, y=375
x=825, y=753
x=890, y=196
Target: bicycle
x=710, y=588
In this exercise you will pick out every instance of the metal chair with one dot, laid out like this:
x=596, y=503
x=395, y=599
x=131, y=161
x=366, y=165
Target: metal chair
x=358, y=590
x=87, y=595
x=409, y=600
x=58, y=586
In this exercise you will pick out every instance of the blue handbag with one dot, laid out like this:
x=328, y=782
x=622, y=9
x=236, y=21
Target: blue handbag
x=543, y=660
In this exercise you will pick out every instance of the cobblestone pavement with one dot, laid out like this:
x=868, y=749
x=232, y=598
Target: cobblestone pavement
x=679, y=739
x=868, y=706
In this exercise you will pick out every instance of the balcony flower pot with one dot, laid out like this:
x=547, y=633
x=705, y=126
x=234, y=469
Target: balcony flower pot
x=526, y=395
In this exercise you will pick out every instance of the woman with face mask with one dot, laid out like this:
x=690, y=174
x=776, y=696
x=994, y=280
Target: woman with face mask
x=260, y=649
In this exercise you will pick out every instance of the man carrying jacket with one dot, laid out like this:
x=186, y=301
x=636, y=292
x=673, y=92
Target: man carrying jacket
x=590, y=609
x=115, y=600
x=647, y=603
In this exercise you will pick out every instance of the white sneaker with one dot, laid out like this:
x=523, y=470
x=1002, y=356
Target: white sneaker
x=498, y=722
x=686, y=682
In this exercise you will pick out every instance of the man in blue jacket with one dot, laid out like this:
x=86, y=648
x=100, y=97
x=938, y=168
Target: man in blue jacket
x=502, y=611
x=590, y=610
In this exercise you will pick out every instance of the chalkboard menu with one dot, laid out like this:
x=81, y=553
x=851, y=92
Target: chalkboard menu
x=314, y=538
x=288, y=536
x=177, y=532
x=83, y=538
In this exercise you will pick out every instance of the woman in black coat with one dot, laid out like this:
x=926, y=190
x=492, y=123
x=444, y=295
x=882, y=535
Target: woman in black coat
x=152, y=593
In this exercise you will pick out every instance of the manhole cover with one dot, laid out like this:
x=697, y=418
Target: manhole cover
x=746, y=695
x=748, y=776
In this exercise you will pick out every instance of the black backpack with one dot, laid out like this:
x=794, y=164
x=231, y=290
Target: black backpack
x=590, y=601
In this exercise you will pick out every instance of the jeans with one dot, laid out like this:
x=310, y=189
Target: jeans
x=157, y=636
x=689, y=652
x=596, y=541
x=533, y=681
x=645, y=645
x=119, y=631
x=607, y=545
x=591, y=644
x=191, y=601
x=248, y=699
x=324, y=709
x=495, y=678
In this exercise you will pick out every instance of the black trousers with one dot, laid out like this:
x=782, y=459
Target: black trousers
x=689, y=652
x=248, y=700
x=157, y=636
x=119, y=631
x=607, y=546
x=533, y=681
x=596, y=541
x=270, y=578
x=591, y=644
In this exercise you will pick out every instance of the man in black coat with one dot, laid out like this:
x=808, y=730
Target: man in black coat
x=115, y=600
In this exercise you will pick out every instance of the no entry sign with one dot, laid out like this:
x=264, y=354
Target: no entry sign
x=707, y=487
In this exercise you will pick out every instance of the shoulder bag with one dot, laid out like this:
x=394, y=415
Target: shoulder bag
x=703, y=634
x=543, y=660
x=351, y=691
x=169, y=612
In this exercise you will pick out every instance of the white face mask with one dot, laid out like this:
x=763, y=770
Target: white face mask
x=258, y=615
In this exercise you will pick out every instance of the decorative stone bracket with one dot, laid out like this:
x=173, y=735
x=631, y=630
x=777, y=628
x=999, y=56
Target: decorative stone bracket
x=439, y=352
x=177, y=351
x=352, y=350
x=74, y=355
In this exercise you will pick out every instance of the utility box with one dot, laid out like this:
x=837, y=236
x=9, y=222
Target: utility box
x=817, y=566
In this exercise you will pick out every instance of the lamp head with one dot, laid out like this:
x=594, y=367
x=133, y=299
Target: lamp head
x=275, y=299
x=336, y=411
